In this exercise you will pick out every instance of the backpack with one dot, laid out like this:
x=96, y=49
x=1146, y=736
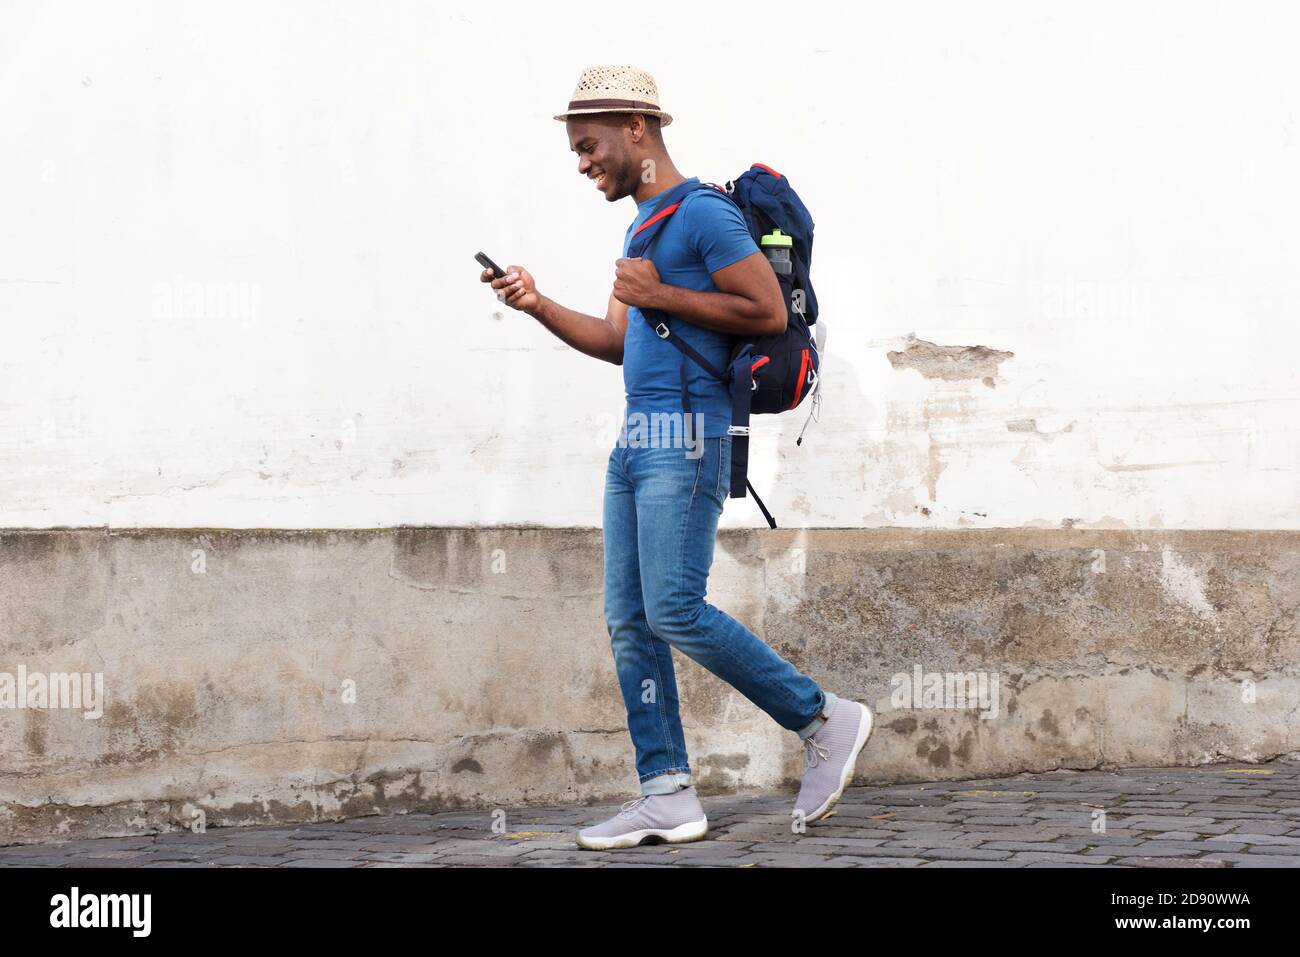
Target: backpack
x=765, y=375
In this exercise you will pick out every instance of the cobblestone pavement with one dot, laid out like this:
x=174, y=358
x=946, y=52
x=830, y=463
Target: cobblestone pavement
x=1225, y=815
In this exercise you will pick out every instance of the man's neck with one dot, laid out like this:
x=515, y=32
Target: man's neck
x=666, y=177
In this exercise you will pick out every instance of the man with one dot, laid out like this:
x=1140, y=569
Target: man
x=663, y=499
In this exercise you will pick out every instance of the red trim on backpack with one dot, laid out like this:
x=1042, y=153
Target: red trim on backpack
x=803, y=374
x=658, y=216
x=769, y=169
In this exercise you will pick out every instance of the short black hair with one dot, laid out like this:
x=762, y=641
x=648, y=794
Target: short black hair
x=655, y=125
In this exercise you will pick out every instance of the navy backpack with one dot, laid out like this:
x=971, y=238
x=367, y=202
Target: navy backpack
x=767, y=374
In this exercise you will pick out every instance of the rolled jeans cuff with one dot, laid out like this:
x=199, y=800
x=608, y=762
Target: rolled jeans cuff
x=669, y=783
x=828, y=705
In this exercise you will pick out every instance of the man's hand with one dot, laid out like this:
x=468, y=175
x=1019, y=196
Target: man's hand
x=636, y=283
x=516, y=289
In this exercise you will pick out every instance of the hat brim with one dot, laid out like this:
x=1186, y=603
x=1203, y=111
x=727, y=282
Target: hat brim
x=664, y=118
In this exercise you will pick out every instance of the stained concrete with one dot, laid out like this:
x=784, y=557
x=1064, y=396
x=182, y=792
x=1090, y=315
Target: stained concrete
x=482, y=674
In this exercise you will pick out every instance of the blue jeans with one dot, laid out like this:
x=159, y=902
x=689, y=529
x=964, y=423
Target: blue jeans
x=661, y=517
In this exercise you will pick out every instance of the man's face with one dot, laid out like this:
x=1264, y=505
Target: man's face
x=603, y=146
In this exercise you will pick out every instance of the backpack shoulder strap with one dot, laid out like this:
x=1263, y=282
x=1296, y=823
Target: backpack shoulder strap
x=643, y=241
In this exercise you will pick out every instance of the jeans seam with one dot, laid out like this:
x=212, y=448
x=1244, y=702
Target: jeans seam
x=651, y=637
x=724, y=442
x=659, y=686
x=699, y=467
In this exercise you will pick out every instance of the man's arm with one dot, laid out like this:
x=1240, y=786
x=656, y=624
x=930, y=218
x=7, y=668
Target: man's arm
x=591, y=335
x=749, y=301
x=601, y=338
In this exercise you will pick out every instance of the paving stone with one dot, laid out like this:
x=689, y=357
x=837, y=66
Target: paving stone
x=1159, y=823
x=1070, y=864
x=923, y=814
x=1168, y=862
x=805, y=848
x=900, y=862
x=239, y=847
x=791, y=859
x=850, y=833
x=319, y=863
x=1222, y=809
x=1251, y=860
x=883, y=851
x=1148, y=849
x=1288, y=850
x=1205, y=846
x=1043, y=857
x=1047, y=847
x=955, y=841
x=1222, y=827
x=962, y=854
x=695, y=858
x=389, y=857
x=246, y=860
x=834, y=842
x=1027, y=834
x=53, y=861
x=1172, y=817
x=1261, y=838
x=155, y=864
x=324, y=854
x=324, y=843
x=980, y=864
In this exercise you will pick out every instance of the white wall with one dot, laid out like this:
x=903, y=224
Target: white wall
x=1106, y=190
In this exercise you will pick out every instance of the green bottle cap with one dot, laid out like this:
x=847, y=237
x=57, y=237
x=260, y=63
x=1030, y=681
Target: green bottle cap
x=777, y=238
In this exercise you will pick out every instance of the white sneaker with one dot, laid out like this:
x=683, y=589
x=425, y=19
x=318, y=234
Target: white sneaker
x=676, y=818
x=829, y=756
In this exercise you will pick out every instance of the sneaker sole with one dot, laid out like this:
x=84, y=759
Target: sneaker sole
x=864, y=732
x=681, y=834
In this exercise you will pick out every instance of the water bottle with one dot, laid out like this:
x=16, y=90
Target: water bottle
x=776, y=247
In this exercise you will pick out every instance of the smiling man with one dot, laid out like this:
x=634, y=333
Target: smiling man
x=663, y=498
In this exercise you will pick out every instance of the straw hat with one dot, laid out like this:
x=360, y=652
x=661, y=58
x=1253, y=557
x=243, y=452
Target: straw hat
x=615, y=89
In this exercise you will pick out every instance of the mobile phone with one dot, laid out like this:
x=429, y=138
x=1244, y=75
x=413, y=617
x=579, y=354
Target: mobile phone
x=486, y=263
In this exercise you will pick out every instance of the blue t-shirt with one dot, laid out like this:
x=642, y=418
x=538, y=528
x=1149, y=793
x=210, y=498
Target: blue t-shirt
x=705, y=234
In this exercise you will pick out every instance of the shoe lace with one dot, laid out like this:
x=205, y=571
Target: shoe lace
x=630, y=808
x=813, y=751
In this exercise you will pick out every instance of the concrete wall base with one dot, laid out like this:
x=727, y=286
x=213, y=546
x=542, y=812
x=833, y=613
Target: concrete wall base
x=256, y=676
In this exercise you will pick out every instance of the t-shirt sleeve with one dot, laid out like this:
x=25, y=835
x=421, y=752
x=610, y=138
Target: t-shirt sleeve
x=716, y=230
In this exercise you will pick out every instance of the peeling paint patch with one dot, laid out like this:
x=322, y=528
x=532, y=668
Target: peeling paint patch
x=951, y=363
x=1181, y=583
x=933, y=471
x=1031, y=426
